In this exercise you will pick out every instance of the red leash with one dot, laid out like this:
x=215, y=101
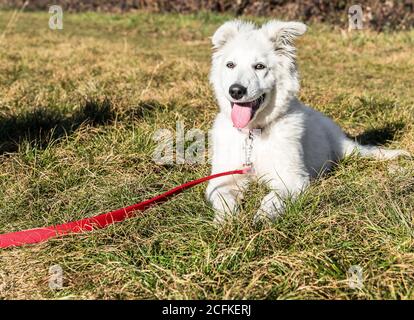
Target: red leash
x=20, y=238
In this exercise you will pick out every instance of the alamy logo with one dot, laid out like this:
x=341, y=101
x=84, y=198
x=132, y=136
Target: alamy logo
x=190, y=146
x=355, y=277
x=355, y=17
x=55, y=277
x=193, y=146
x=56, y=20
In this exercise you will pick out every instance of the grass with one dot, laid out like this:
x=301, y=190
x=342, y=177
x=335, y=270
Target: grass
x=78, y=109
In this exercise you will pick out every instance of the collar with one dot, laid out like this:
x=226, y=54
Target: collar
x=251, y=132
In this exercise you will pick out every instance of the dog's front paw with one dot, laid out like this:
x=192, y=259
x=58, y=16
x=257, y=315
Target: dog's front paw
x=225, y=206
x=222, y=217
x=270, y=209
x=225, y=210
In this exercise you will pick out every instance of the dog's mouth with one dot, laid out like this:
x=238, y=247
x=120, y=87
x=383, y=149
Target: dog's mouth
x=243, y=113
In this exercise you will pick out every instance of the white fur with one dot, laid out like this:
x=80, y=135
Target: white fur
x=296, y=143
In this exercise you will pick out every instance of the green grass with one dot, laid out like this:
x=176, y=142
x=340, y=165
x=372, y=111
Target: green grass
x=78, y=109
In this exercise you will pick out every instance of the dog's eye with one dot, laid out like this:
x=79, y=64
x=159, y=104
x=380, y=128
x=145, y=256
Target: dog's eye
x=259, y=66
x=230, y=65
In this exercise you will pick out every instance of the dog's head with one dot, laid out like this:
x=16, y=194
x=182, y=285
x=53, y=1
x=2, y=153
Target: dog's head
x=254, y=70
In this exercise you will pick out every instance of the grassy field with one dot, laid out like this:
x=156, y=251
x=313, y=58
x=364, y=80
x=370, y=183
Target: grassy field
x=78, y=109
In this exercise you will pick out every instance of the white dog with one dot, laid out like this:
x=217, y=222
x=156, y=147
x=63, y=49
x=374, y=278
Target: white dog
x=255, y=80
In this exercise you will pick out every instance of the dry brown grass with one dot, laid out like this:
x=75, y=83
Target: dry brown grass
x=78, y=108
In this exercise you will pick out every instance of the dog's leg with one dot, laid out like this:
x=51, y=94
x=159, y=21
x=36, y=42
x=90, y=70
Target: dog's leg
x=224, y=194
x=273, y=204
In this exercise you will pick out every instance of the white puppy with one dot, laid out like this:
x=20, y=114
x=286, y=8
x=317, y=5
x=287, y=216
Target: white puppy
x=255, y=80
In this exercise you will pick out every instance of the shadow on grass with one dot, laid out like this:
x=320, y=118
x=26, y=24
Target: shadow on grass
x=380, y=136
x=42, y=125
x=145, y=108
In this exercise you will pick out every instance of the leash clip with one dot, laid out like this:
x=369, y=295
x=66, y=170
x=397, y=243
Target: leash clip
x=248, y=170
x=248, y=148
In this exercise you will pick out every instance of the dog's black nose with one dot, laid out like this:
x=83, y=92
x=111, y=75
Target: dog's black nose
x=237, y=91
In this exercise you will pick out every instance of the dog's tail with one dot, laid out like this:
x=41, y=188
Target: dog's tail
x=351, y=147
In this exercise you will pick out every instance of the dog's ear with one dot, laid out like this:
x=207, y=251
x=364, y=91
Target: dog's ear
x=229, y=30
x=283, y=33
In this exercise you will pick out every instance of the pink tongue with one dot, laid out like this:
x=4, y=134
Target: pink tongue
x=241, y=115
